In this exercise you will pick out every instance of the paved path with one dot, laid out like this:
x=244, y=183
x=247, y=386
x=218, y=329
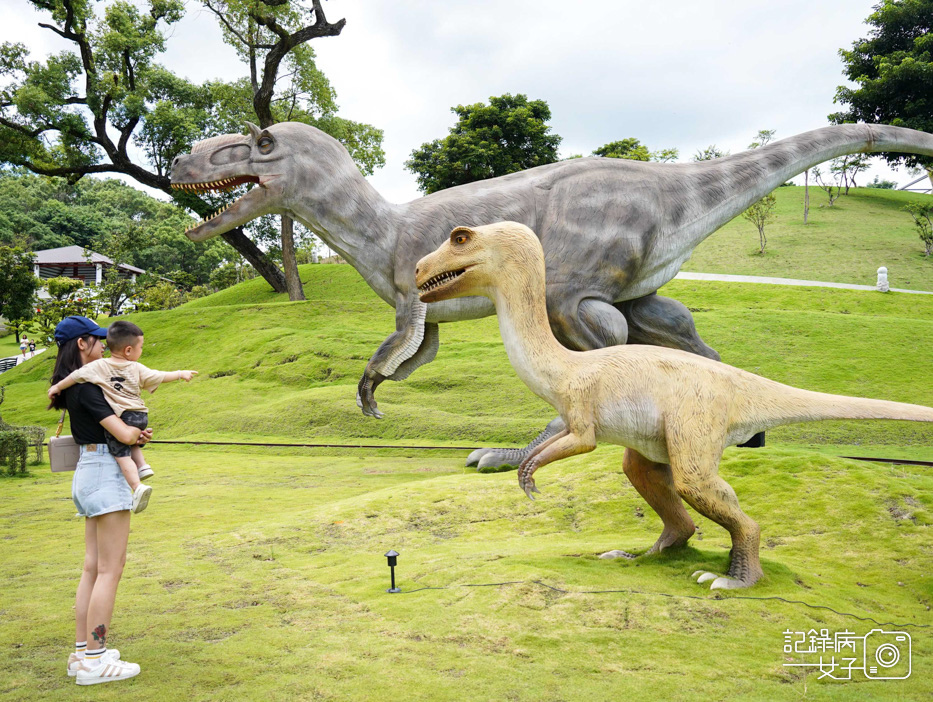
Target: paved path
x=786, y=281
x=19, y=357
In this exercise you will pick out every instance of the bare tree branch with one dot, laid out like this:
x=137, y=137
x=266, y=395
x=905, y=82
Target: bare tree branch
x=59, y=32
x=321, y=28
x=65, y=171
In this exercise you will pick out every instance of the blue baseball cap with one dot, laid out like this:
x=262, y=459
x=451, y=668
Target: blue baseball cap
x=73, y=327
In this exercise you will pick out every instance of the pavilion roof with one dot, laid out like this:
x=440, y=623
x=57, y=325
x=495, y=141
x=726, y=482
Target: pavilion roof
x=76, y=255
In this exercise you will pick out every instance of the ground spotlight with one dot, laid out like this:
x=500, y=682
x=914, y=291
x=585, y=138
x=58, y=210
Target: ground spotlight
x=392, y=556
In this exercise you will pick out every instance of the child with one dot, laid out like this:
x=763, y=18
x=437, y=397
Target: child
x=122, y=378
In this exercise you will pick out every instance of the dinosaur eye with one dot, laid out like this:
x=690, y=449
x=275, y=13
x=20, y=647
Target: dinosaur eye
x=461, y=238
x=266, y=144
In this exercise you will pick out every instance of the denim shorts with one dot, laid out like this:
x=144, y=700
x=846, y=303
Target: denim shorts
x=98, y=486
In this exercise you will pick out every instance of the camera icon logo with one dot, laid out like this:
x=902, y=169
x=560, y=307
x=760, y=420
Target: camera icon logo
x=887, y=655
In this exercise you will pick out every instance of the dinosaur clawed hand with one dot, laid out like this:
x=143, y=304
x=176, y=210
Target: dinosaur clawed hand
x=365, y=399
x=526, y=480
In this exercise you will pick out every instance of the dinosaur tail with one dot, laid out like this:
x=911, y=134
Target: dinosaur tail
x=796, y=405
x=726, y=187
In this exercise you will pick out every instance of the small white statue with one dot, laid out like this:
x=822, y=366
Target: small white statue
x=883, y=280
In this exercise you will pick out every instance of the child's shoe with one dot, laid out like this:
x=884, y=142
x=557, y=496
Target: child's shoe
x=74, y=662
x=141, y=498
x=145, y=472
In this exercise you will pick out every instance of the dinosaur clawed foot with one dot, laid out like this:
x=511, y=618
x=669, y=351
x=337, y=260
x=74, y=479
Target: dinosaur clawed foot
x=617, y=553
x=529, y=487
x=365, y=399
x=526, y=480
x=723, y=582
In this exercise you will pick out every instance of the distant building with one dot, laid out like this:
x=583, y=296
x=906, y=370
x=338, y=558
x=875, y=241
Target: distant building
x=76, y=262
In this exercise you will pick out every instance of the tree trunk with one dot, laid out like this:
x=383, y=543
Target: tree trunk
x=257, y=259
x=292, y=279
x=806, y=195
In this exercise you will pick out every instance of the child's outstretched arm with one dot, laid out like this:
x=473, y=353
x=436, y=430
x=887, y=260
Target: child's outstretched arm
x=185, y=375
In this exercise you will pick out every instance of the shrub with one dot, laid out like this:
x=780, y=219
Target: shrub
x=13, y=451
x=923, y=218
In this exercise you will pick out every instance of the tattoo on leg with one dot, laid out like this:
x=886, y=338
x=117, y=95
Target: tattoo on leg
x=100, y=635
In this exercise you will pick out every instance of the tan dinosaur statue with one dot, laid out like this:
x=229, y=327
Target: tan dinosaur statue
x=677, y=409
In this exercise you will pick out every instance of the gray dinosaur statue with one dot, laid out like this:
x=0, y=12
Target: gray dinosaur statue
x=613, y=231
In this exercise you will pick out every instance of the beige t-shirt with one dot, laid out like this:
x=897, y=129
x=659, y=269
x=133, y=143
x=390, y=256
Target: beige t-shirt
x=122, y=382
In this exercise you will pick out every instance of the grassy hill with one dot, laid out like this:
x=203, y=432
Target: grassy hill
x=846, y=243
x=288, y=371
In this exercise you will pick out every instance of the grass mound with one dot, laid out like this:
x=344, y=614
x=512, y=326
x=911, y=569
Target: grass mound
x=288, y=371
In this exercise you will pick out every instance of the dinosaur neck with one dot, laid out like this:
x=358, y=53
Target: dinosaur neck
x=354, y=220
x=537, y=356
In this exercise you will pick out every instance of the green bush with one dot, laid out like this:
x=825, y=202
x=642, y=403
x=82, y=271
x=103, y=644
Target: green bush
x=13, y=451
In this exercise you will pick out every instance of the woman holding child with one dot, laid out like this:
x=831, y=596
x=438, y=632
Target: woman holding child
x=102, y=496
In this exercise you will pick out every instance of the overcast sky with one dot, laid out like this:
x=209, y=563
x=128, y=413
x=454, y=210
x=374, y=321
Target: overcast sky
x=677, y=73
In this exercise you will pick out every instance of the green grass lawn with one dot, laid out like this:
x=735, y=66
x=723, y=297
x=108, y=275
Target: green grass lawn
x=9, y=346
x=258, y=575
x=846, y=243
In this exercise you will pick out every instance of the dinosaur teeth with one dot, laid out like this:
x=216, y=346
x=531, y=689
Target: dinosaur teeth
x=441, y=279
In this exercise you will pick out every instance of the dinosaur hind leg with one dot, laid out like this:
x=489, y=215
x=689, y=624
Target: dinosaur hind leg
x=588, y=324
x=492, y=458
x=715, y=499
x=655, y=483
x=661, y=321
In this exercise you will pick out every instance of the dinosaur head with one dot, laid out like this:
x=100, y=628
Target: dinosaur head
x=280, y=161
x=475, y=259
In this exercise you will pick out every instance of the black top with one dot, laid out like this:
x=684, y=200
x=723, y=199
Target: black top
x=86, y=407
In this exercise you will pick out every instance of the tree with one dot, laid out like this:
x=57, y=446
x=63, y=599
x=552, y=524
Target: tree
x=76, y=113
x=762, y=211
x=709, y=153
x=893, y=67
x=61, y=288
x=923, y=218
x=44, y=213
x=18, y=284
x=68, y=297
x=630, y=148
x=847, y=167
x=831, y=186
x=760, y=214
x=267, y=35
x=763, y=137
x=509, y=134
x=881, y=184
x=634, y=150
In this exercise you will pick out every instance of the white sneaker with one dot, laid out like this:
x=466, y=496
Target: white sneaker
x=141, y=498
x=74, y=662
x=109, y=671
x=145, y=472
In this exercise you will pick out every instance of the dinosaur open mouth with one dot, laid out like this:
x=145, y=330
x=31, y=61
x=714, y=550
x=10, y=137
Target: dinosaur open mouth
x=440, y=280
x=216, y=185
x=222, y=185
